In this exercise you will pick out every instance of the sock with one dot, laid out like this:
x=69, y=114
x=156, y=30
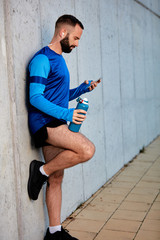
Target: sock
x=54, y=229
x=42, y=171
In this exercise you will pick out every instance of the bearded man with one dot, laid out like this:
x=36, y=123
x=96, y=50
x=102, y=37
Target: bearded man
x=49, y=96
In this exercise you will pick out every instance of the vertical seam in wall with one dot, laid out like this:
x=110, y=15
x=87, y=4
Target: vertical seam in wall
x=134, y=84
x=153, y=70
x=152, y=55
x=119, y=63
x=145, y=100
x=13, y=117
x=83, y=180
x=104, y=132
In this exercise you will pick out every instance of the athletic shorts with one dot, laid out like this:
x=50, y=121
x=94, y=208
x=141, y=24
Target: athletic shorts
x=41, y=135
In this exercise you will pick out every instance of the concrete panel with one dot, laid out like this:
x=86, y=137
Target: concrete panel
x=127, y=80
x=129, y=130
x=22, y=33
x=156, y=68
x=72, y=190
x=24, y=16
x=151, y=119
x=111, y=86
x=148, y=64
x=139, y=73
x=8, y=203
x=89, y=67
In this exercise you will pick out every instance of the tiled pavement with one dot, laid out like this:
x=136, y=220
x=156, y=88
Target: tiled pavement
x=125, y=208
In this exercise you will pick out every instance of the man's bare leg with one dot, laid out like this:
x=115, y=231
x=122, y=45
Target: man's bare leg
x=53, y=191
x=77, y=149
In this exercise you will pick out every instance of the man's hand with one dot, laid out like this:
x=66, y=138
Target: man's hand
x=93, y=84
x=78, y=116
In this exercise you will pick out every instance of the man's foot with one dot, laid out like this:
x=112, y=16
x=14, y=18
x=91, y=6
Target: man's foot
x=36, y=179
x=55, y=236
x=66, y=235
x=60, y=235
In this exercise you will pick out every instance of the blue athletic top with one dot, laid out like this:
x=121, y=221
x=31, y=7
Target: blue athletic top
x=49, y=92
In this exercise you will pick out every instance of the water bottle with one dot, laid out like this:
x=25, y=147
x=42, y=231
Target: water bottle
x=82, y=104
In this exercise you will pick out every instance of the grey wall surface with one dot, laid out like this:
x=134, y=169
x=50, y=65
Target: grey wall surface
x=121, y=44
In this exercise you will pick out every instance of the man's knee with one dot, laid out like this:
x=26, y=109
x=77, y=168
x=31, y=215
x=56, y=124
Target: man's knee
x=87, y=152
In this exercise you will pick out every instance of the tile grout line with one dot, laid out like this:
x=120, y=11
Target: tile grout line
x=124, y=200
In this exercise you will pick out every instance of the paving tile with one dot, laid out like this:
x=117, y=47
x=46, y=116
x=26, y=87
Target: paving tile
x=94, y=215
x=158, y=198
x=156, y=206
x=144, y=184
x=129, y=215
x=98, y=205
x=148, y=157
x=133, y=197
x=141, y=164
x=153, y=214
x=124, y=178
x=119, y=191
x=147, y=235
x=135, y=206
x=156, y=165
x=133, y=172
x=114, y=235
x=145, y=191
x=153, y=173
x=113, y=198
x=151, y=179
x=151, y=225
x=85, y=225
x=158, y=159
x=82, y=235
x=122, y=225
x=128, y=185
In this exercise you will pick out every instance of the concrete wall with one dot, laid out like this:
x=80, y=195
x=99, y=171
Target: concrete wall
x=121, y=44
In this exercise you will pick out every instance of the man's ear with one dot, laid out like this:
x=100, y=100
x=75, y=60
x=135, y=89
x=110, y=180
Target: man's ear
x=63, y=32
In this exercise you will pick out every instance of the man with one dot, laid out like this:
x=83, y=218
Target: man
x=49, y=96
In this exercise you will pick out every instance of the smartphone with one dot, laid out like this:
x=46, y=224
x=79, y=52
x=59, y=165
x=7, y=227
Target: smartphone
x=99, y=80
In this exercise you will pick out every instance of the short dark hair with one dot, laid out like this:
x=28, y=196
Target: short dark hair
x=68, y=19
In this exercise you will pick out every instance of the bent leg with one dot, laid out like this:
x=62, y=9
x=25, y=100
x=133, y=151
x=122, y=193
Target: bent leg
x=77, y=148
x=53, y=191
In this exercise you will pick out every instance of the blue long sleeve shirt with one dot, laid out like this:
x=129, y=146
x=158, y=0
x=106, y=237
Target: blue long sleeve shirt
x=49, y=92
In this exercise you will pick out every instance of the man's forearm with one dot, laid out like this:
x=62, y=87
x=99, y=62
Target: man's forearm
x=76, y=92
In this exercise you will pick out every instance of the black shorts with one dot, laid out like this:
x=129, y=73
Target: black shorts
x=41, y=135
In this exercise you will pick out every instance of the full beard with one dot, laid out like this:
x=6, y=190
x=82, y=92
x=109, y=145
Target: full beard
x=66, y=48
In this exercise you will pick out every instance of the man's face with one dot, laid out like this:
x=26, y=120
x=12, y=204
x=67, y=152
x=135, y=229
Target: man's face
x=71, y=40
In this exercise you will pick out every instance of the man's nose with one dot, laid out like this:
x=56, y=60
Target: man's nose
x=76, y=43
